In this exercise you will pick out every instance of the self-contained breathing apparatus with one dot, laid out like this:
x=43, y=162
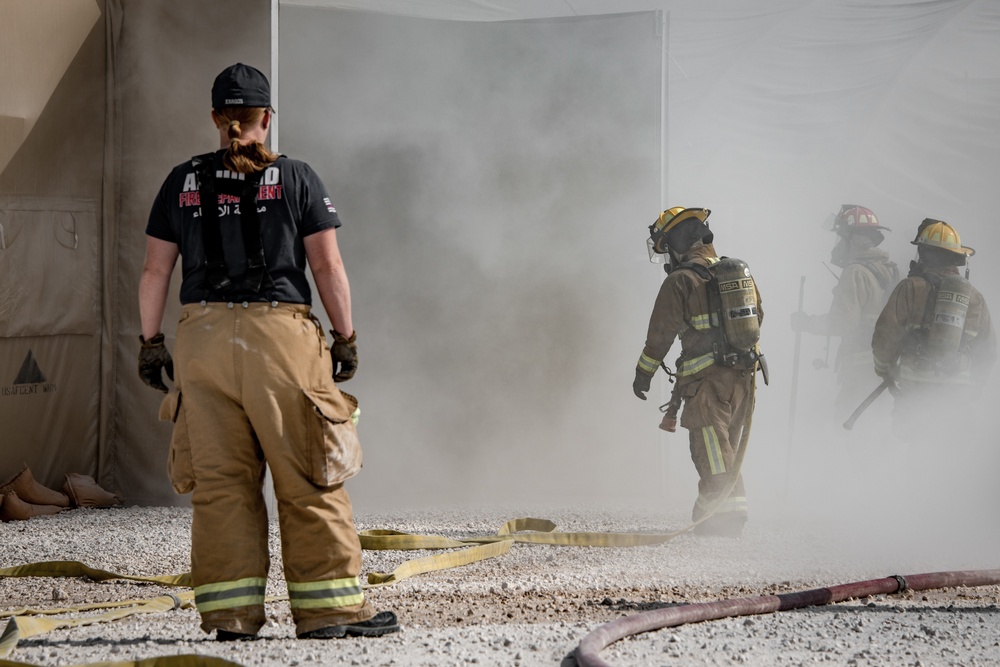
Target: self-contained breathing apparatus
x=940, y=337
x=938, y=341
x=211, y=184
x=735, y=325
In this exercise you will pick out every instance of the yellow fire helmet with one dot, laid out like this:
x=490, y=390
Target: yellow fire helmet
x=676, y=215
x=668, y=220
x=938, y=234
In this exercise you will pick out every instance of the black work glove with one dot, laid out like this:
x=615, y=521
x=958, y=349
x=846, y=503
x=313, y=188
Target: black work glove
x=888, y=375
x=641, y=384
x=154, y=357
x=345, y=353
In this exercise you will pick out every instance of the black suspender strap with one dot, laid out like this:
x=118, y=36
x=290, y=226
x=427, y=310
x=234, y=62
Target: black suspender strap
x=216, y=272
x=257, y=275
x=216, y=276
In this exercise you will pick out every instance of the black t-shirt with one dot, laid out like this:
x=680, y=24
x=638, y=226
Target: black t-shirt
x=292, y=203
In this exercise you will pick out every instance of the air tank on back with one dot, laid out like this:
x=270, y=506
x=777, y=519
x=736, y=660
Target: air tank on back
x=944, y=336
x=738, y=298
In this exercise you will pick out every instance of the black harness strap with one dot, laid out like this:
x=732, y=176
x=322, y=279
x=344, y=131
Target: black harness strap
x=216, y=276
x=216, y=272
x=257, y=276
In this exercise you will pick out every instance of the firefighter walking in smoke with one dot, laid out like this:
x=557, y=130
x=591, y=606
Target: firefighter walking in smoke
x=867, y=278
x=255, y=376
x=934, y=343
x=716, y=369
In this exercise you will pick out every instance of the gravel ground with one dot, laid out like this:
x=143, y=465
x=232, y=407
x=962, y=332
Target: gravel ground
x=533, y=605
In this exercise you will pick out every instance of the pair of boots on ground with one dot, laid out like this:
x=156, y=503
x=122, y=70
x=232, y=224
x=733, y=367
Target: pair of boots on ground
x=22, y=497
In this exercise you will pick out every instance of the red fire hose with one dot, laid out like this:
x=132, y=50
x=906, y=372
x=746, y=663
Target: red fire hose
x=586, y=653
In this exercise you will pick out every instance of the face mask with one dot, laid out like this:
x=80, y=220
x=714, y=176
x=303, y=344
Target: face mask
x=840, y=253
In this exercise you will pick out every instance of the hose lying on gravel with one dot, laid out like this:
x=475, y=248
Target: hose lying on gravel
x=587, y=653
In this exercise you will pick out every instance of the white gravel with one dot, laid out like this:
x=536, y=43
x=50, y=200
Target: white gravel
x=533, y=605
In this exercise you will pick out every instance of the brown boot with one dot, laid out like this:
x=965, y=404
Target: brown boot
x=84, y=491
x=15, y=509
x=30, y=491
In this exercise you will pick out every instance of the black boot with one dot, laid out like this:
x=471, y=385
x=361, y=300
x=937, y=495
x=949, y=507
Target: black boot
x=380, y=624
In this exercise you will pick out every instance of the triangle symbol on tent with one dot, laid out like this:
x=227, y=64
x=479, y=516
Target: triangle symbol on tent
x=30, y=373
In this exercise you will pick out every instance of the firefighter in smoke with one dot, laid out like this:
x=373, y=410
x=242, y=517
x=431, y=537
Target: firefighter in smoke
x=255, y=376
x=934, y=343
x=713, y=306
x=867, y=278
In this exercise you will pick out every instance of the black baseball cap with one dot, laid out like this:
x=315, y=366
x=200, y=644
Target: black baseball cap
x=241, y=85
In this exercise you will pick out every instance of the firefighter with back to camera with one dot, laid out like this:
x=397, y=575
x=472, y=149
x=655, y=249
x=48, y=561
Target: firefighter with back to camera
x=934, y=343
x=255, y=377
x=713, y=306
x=865, y=283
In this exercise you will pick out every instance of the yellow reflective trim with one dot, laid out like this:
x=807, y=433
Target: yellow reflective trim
x=322, y=594
x=701, y=322
x=692, y=366
x=335, y=601
x=730, y=504
x=648, y=364
x=329, y=584
x=714, y=451
x=229, y=603
x=229, y=594
x=221, y=586
x=883, y=365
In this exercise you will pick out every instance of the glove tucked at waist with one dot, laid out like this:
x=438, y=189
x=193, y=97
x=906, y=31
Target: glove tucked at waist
x=154, y=358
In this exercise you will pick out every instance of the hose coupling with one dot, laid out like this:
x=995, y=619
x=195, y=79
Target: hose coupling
x=903, y=586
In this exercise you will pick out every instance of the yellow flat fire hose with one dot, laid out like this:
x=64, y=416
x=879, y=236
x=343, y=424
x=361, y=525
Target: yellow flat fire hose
x=71, y=568
x=31, y=622
x=184, y=660
x=24, y=626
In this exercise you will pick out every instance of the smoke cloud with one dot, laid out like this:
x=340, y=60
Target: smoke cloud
x=496, y=181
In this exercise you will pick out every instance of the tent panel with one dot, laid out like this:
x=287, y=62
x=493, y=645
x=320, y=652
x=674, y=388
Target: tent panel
x=50, y=344
x=50, y=254
x=49, y=405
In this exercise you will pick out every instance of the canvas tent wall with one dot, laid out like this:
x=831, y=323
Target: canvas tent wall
x=73, y=202
x=498, y=343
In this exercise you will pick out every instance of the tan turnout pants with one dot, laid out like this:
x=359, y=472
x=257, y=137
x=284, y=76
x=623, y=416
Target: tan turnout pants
x=715, y=406
x=253, y=385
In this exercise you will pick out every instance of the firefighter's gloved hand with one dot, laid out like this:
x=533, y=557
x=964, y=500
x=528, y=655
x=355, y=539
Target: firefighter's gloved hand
x=345, y=355
x=802, y=322
x=153, y=359
x=888, y=375
x=641, y=384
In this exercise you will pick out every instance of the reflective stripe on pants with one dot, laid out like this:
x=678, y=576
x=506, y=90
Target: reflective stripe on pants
x=715, y=406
